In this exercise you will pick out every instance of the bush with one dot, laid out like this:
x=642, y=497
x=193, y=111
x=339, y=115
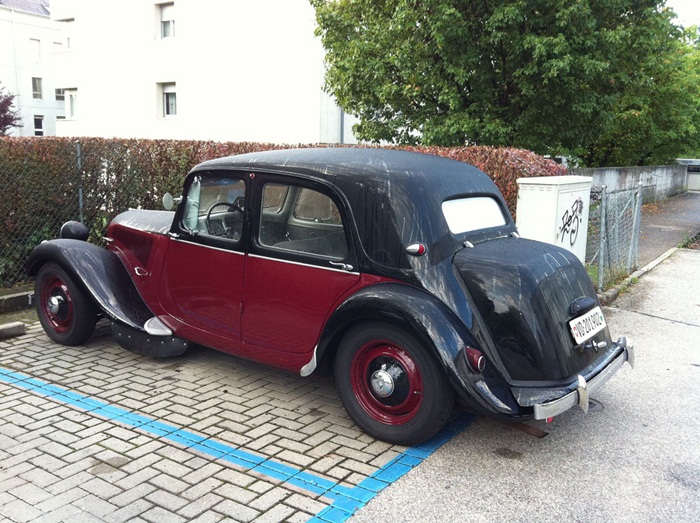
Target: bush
x=504, y=165
x=44, y=180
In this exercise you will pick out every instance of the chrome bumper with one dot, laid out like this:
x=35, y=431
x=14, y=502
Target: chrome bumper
x=584, y=389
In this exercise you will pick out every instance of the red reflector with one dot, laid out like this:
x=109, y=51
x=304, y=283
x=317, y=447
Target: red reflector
x=550, y=420
x=476, y=360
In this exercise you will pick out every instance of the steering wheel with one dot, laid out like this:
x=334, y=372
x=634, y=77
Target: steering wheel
x=217, y=228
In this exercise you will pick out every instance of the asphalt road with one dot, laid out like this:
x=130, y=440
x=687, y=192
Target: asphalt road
x=636, y=460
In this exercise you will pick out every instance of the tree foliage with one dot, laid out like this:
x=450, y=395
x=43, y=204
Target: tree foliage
x=9, y=117
x=603, y=80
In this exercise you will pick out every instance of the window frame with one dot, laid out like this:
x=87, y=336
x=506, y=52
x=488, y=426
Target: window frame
x=39, y=129
x=183, y=232
x=166, y=92
x=166, y=16
x=37, y=88
x=285, y=214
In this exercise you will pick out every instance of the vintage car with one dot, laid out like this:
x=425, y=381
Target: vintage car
x=402, y=273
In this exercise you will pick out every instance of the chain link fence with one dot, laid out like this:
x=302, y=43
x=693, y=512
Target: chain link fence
x=49, y=181
x=613, y=234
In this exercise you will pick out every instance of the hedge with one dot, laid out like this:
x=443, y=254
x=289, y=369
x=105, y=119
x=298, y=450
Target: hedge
x=44, y=178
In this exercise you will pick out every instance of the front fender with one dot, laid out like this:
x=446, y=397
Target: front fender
x=101, y=275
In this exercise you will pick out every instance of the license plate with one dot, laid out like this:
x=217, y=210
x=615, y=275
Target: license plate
x=586, y=326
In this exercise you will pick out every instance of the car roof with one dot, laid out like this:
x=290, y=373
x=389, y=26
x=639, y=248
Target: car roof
x=345, y=166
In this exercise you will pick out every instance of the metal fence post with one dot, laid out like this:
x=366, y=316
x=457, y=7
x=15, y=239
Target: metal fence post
x=633, y=262
x=603, y=236
x=80, y=183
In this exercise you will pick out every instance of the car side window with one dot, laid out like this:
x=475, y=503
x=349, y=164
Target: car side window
x=214, y=207
x=302, y=220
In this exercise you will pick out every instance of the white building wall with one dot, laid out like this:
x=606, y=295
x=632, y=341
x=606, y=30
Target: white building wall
x=244, y=71
x=20, y=61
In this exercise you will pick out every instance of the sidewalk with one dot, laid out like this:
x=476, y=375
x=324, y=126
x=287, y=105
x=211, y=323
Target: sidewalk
x=667, y=223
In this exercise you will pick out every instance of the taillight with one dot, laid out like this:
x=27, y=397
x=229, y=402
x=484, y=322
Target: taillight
x=476, y=360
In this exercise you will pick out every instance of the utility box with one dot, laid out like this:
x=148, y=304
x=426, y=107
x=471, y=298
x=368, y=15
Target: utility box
x=554, y=209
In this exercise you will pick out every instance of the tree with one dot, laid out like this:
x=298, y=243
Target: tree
x=9, y=117
x=553, y=76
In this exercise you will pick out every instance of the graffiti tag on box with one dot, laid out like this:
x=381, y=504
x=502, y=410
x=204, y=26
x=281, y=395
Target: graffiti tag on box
x=570, y=221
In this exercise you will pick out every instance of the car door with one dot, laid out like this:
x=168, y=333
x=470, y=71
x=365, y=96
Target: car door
x=202, y=282
x=301, y=262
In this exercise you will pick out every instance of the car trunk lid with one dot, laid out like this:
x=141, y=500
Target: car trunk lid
x=526, y=293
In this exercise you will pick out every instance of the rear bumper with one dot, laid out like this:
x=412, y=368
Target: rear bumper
x=584, y=388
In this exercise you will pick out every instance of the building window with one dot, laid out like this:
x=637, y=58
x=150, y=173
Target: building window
x=72, y=105
x=35, y=50
x=38, y=125
x=60, y=94
x=167, y=20
x=36, y=89
x=169, y=99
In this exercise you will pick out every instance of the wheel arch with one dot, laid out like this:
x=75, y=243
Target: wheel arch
x=99, y=273
x=404, y=307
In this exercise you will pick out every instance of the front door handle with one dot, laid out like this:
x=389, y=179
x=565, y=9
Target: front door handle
x=342, y=265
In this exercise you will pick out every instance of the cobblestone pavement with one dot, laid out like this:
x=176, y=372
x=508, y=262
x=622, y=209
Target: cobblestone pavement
x=96, y=433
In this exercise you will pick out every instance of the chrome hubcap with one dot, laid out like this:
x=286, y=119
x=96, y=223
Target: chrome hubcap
x=55, y=303
x=382, y=383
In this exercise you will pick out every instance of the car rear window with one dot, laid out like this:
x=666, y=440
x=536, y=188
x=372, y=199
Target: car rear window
x=471, y=214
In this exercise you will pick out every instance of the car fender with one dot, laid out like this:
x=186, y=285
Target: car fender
x=407, y=307
x=100, y=273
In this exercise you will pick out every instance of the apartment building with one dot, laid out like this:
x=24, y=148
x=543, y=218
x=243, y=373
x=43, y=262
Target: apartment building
x=231, y=70
x=28, y=42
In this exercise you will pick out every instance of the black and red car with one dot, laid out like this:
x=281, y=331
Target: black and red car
x=403, y=273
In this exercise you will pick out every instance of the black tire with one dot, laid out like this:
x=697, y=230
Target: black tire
x=67, y=314
x=390, y=385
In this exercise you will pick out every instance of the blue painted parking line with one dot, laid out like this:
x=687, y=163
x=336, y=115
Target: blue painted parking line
x=345, y=500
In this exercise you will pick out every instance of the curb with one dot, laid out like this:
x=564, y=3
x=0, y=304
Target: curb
x=16, y=302
x=12, y=330
x=611, y=294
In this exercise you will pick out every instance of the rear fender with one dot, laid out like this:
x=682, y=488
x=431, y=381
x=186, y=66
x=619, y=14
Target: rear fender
x=439, y=330
x=408, y=308
x=101, y=275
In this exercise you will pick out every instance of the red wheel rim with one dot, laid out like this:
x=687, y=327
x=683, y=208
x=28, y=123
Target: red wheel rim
x=57, y=305
x=386, y=382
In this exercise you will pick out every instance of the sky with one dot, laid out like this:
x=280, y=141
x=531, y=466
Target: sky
x=688, y=11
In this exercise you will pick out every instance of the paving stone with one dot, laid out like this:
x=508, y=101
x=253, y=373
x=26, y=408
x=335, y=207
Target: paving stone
x=60, y=515
x=201, y=489
x=133, y=494
x=129, y=512
x=270, y=499
x=159, y=515
x=168, y=483
x=235, y=493
x=208, y=517
x=240, y=512
x=20, y=511
x=39, y=477
x=101, y=488
x=55, y=502
x=166, y=500
x=304, y=503
x=201, y=505
x=130, y=481
x=275, y=514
